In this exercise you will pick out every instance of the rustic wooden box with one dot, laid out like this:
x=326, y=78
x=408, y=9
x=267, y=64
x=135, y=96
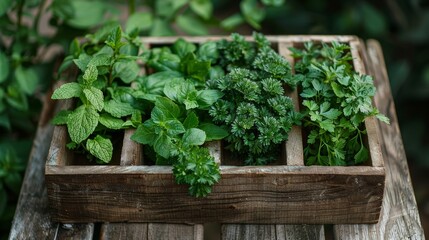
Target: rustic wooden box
x=289, y=193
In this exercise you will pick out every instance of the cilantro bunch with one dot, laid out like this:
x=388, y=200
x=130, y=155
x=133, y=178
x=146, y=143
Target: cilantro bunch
x=105, y=103
x=336, y=101
x=254, y=108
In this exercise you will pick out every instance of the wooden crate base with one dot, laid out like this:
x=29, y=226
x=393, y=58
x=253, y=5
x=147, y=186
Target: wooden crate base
x=289, y=193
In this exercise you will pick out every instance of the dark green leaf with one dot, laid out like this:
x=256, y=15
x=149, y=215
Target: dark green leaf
x=95, y=97
x=191, y=25
x=206, y=98
x=362, y=155
x=67, y=62
x=111, y=122
x=208, y=51
x=232, y=22
x=253, y=14
x=194, y=136
x=27, y=79
x=213, y=132
x=164, y=146
x=86, y=14
x=156, y=82
x=90, y=75
x=168, y=107
x=126, y=70
x=168, y=8
x=4, y=64
x=181, y=47
x=104, y=59
x=203, y=8
x=61, y=117
x=145, y=133
x=82, y=122
x=118, y=109
x=139, y=21
x=5, y=121
x=191, y=121
x=174, y=127
x=4, y=7
x=101, y=148
x=67, y=90
x=161, y=28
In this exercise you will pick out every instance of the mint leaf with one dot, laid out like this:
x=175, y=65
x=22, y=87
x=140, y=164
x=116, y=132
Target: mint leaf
x=191, y=121
x=91, y=74
x=67, y=90
x=95, y=97
x=191, y=25
x=167, y=106
x=164, y=146
x=118, y=109
x=145, y=133
x=174, y=127
x=111, y=122
x=203, y=8
x=139, y=21
x=213, y=132
x=194, y=136
x=103, y=59
x=182, y=47
x=82, y=122
x=127, y=71
x=61, y=117
x=206, y=98
x=101, y=148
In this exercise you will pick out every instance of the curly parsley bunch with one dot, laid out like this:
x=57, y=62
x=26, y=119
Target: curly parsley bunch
x=254, y=107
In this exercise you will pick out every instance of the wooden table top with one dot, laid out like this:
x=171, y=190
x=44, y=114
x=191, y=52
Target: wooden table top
x=399, y=214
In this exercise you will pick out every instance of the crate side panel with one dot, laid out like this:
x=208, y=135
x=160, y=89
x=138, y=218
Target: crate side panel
x=256, y=197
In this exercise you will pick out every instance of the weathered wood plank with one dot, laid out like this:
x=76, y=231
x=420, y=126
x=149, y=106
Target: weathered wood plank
x=272, y=232
x=75, y=231
x=129, y=231
x=32, y=220
x=294, y=144
x=175, y=231
x=399, y=214
x=290, y=194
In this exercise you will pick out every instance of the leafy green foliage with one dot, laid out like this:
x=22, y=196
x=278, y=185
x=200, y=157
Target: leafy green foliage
x=254, y=108
x=181, y=98
x=336, y=100
x=103, y=103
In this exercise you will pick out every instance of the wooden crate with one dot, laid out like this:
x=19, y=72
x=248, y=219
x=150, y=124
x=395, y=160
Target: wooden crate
x=289, y=193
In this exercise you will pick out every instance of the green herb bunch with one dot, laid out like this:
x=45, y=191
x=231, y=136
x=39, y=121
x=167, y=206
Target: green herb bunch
x=254, y=108
x=105, y=103
x=177, y=128
x=336, y=101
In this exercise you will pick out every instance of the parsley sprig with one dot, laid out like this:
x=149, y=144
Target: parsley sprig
x=336, y=101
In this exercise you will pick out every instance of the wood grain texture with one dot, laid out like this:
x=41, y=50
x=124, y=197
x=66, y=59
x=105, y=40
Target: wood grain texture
x=129, y=231
x=294, y=144
x=32, y=220
x=175, y=231
x=282, y=194
x=399, y=214
x=272, y=232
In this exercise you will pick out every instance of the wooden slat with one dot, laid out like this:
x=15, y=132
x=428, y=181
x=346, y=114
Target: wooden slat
x=290, y=194
x=294, y=144
x=175, y=231
x=32, y=220
x=75, y=231
x=399, y=214
x=129, y=231
x=278, y=232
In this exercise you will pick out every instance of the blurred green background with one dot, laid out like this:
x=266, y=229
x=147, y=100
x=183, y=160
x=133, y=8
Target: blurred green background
x=35, y=34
